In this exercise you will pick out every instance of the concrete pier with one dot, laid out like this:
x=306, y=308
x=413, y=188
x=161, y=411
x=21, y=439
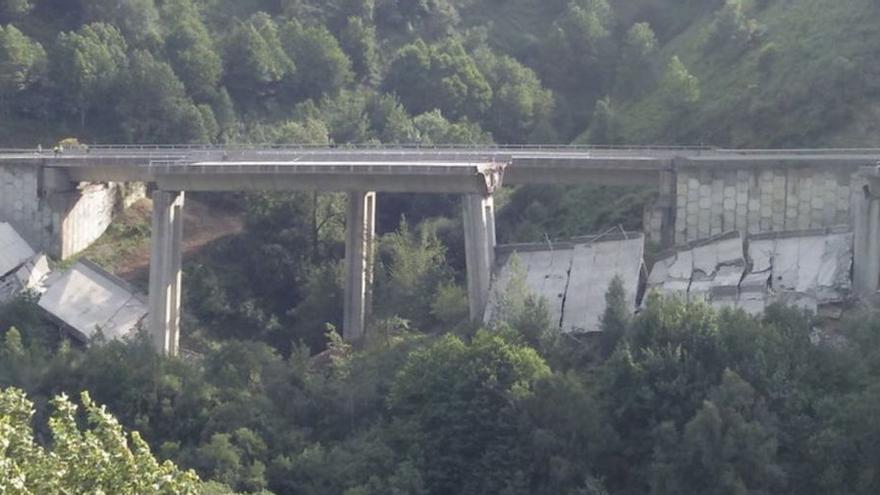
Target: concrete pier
x=360, y=240
x=165, y=271
x=479, y=242
x=865, y=209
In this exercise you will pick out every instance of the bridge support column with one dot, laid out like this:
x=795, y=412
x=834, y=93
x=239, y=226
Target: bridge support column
x=866, y=236
x=360, y=240
x=165, y=271
x=479, y=243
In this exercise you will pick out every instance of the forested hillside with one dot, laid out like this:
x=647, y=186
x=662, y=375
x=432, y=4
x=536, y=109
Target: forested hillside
x=735, y=72
x=679, y=398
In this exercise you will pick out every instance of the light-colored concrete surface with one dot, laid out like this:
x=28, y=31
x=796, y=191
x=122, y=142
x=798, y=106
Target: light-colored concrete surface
x=14, y=250
x=806, y=270
x=571, y=277
x=594, y=266
x=544, y=273
x=165, y=271
x=802, y=268
x=479, y=246
x=85, y=299
x=760, y=197
x=360, y=247
x=28, y=276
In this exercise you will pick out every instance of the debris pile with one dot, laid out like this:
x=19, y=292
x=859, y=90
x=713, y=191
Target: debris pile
x=807, y=269
x=83, y=298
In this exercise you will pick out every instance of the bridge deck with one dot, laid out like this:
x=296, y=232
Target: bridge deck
x=408, y=168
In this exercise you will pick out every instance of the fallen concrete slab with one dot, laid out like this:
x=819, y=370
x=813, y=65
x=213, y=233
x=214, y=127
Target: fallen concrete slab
x=594, y=265
x=719, y=265
x=801, y=268
x=806, y=268
x=572, y=277
x=85, y=299
x=29, y=276
x=540, y=270
x=14, y=250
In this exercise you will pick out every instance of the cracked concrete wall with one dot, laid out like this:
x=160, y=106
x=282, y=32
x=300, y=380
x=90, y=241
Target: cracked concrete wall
x=806, y=269
x=753, y=200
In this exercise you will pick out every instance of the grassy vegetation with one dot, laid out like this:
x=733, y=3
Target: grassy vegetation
x=806, y=80
x=125, y=239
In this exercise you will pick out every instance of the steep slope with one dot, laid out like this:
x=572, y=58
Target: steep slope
x=807, y=78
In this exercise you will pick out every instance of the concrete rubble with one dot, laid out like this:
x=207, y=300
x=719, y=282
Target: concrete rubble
x=86, y=298
x=82, y=298
x=807, y=269
x=572, y=277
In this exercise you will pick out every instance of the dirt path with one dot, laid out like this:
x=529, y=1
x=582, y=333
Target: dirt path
x=202, y=225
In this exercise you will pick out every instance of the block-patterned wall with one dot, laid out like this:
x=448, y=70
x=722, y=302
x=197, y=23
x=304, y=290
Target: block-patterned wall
x=752, y=200
x=21, y=204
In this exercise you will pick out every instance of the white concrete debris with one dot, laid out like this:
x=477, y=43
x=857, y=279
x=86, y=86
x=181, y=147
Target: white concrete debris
x=82, y=298
x=803, y=268
x=806, y=269
x=718, y=269
x=86, y=298
x=571, y=277
x=594, y=265
x=14, y=251
x=29, y=276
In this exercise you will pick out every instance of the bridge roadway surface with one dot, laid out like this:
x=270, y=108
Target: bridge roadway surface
x=443, y=169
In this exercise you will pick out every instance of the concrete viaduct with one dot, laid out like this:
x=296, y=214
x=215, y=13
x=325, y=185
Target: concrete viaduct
x=702, y=192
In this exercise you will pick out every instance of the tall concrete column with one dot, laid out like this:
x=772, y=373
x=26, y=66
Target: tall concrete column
x=360, y=239
x=165, y=271
x=479, y=243
x=865, y=210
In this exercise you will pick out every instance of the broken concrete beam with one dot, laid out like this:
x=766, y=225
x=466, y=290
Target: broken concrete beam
x=85, y=299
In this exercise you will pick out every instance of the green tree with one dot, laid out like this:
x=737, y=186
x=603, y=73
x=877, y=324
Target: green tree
x=616, y=318
x=681, y=89
x=416, y=269
x=433, y=128
x=88, y=65
x=190, y=49
x=731, y=30
x=389, y=120
x=11, y=10
x=358, y=39
x=520, y=104
x=605, y=128
x=137, y=19
x=460, y=399
x=97, y=460
x=442, y=76
x=729, y=447
x=254, y=61
x=22, y=64
x=635, y=70
x=156, y=108
x=429, y=18
x=577, y=47
x=324, y=69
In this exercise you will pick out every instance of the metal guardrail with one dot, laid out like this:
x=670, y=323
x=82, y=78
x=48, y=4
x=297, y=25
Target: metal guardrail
x=389, y=147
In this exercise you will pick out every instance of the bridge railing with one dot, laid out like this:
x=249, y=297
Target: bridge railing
x=376, y=146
